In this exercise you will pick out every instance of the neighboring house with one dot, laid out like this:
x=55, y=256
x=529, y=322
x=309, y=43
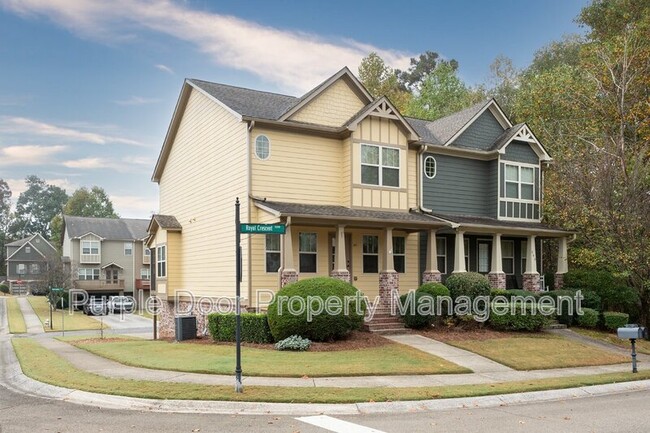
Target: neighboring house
x=107, y=256
x=368, y=196
x=28, y=262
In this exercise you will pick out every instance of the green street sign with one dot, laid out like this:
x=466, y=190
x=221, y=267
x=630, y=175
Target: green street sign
x=275, y=229
x=58, y=289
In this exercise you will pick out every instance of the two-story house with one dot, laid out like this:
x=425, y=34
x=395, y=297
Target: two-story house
x=107, y=256
x=368, y=196
x=28, y=262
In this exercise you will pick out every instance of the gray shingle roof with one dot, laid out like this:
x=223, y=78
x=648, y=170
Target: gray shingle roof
x=19, y=243
x=485, y=221
x=167, y=222
x=107, y=228
x=248, y=102
x=506, y=136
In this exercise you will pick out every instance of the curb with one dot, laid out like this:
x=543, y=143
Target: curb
x=13, y=378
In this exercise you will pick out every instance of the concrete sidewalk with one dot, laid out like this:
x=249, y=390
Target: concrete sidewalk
x=4, y=318
x=33, y=323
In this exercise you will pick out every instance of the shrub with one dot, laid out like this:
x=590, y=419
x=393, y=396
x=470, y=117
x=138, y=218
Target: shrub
x=469, y=284
x=254, y=327
x=4, y=288
x=498, y=292
x=589, y=318
x=612, y=289
x=412, y=303
x=323, y=326
x=295, y=342
x=39, y=290
x=434, y=289
x=517, y=320
x=613, y=320
x=591, y=300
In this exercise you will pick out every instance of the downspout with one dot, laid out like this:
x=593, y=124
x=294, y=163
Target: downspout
x=420, y=183
x=249, y=191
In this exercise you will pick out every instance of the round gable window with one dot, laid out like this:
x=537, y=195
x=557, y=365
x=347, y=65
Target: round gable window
x=430, y=167
x=262, y=147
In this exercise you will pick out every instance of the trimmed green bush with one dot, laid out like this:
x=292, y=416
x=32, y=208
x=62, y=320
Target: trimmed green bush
x=4, y=288
x=517, y=321
x=412, y=303
x=589, y=318
x=613, y=320
x=469, y=284
x=316, y=292
x=434, y=289
x=498, y=292
x=295, y=342
x=254, y=327
x=612, y=289
x=591, y=300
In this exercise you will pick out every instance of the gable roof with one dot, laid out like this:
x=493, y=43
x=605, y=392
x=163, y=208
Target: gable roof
x=106, y=228
x=19, y=243
x=384, y=108
x=166, y=222
x=521, y=132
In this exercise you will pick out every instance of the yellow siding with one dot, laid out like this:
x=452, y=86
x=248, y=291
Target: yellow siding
x=337, y=104
x=346, y=173
x=205, y=172
x=300, y=168
x=412, y=178
x=175, y=274
x=260, y=278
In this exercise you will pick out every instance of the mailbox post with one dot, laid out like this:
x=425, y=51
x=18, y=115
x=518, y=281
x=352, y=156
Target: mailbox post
x=632, y=332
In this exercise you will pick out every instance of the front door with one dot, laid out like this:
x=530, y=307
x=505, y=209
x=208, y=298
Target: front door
x=112, y=276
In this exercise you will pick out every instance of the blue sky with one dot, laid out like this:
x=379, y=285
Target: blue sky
x=87, y=87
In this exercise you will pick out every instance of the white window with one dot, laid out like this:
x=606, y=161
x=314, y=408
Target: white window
x=399, y=254
x=89, y=247
x=508, y=257
x=520, y=182
x=262, y=147
x=87, y=274
x=272, y=253
x=28, y=249
x=34, y=268
x=128, y=248
x=370, y=254
x=483, y=257
x=441, y=251
x=21, y=269
x=379, y=165
x=145, y=274
x=307, y=251
x=147, y=252
x=430, y=167
x=161, y=261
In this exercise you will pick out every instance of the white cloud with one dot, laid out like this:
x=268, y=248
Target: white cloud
x=24, y=155
x=137, y=100
x=23, y=125
x=295, y=60
x=131, y=206
x=164, y=68
x=124, y=165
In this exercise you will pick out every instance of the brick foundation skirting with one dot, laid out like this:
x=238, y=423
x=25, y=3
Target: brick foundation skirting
x=531, y=282
x=497, y=280
x=388, y=288
x=341, y=275
x=288, y=277
x=559, y=281
x=431, y=276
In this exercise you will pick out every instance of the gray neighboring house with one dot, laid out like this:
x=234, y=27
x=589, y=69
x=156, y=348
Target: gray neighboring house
x=28, y=262
x=107, y=256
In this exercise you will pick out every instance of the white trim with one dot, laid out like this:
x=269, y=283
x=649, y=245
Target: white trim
x=269, y=147
x=22, y=246
x=503, y=256
x=314, y=253
x=213, y=99
x=363, y=254
x=381, y=165
x=526, y=135
x=267, y=251
x=444, y=239
x=384, y=104
x=91, y=233
x=112, y=264
x=435, y=167
x=497, y=114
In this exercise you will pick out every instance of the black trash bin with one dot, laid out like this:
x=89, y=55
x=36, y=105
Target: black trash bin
x=185, y=328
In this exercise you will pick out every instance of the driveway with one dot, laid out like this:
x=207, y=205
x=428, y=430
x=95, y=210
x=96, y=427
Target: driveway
x=126, y=321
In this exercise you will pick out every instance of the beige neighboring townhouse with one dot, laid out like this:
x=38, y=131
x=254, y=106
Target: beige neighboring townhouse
x=345, y=172
x=107, y=256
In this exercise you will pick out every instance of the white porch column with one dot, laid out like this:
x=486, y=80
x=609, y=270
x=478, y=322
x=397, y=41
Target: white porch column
x=431, y=272
x=562, y=262
x=388, y=277
x=459, y=252
x=496, y=276
x=289, y=273
x=531, y=276
x=340, y=270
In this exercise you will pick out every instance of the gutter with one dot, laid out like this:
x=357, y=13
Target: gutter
x=249, y=190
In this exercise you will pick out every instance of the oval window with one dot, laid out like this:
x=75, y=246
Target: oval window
x=430, y=167
x=262, y=147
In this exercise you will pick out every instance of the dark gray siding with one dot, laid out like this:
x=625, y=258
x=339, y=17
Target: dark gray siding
x=462, y=187
x=481, y=134
x=520, y=152
x=23, y=255
x=493, y=187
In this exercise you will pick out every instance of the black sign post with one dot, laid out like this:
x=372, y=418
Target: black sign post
x=238, y=383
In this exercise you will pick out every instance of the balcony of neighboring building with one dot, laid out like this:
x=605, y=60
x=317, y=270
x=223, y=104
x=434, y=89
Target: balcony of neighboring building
x=142, y=284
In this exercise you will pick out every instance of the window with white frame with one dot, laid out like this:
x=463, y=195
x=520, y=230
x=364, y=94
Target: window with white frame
x=161, y=261
x=441, y=251
x=524, y=253
x=145, y=274
x=399, y=253
x=466, y=243
x=89, y=247
x=272, y=253
x=262, y=147
x=128, y=248
x=307, y=252
x=34, y=268
x=28, y=249
x=508, y=257
x=146, y=252
x=21, y=269
x=370, y=254
x=430, y=167
x=483, y=257
x=88, y=274
x=379, y=165
x=520, y=182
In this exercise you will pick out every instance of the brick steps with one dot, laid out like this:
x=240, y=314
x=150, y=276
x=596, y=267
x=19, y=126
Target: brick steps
x=385, y=324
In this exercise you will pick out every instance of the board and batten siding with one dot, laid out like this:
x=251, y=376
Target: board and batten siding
x=481, y=134
x=519, y=151
x=381, y=132
x=335, y=106
x=205, y=172
x=113, y=252
x=461, y=186
x=300, y=168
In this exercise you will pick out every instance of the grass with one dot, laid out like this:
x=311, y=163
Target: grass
x=390, y=359
x=45, y=366
x=15, y=316
x=77, y=321
x=530, y=353
x=642, y=346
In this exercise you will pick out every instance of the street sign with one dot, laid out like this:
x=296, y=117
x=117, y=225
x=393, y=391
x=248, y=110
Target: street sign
x=58, y=289
x=276, y=229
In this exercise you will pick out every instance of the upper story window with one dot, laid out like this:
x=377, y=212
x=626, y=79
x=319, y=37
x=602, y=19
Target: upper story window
x=262, y=147
x=520, y=182
x=147, y=252
x=128, y=248
x=161, y=261
x=307, y=249
x=145, y=274
x=28, y=249
x=430, y=167
x=379, y=165
x=89, y=247
x=86, y=274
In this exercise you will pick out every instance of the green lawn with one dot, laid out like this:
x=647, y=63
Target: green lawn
x=642, y=346
x=45, y=366
x=77, y=321
x=15, y=316
x=390, y=359
x=531, y=353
